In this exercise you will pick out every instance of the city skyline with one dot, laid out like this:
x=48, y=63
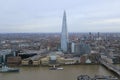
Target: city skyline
x=45, y=16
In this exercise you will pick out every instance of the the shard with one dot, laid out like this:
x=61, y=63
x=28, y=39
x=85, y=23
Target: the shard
x=64, y=34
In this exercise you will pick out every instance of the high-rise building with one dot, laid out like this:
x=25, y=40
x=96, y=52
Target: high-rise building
x=64, y=34
x=80, y=48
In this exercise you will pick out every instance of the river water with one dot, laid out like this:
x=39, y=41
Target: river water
x=69, y=72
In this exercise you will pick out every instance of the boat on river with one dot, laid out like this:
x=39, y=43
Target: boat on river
x=7, y=69
x=55, y=68
x=59, y=68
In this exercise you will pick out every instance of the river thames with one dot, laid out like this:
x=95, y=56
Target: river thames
x=70, y=72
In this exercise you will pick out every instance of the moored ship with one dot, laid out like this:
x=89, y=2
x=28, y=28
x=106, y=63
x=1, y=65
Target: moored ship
x=7, y=69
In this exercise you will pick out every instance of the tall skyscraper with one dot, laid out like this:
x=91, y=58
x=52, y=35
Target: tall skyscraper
x=64, y=34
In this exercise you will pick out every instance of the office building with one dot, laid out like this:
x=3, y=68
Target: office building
x=64, y=34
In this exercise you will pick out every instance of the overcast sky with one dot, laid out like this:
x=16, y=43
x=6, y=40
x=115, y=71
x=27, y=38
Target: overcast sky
x=46, y=15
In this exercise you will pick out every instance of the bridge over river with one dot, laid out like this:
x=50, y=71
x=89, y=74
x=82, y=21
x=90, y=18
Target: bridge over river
x=110, y=67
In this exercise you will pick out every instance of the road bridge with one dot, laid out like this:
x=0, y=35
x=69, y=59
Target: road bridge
x=110, y=67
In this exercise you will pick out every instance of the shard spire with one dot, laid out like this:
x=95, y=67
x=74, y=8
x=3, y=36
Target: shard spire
x=64, y=34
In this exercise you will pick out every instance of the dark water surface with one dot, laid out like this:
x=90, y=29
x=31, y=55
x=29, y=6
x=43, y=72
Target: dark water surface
x=69, y=72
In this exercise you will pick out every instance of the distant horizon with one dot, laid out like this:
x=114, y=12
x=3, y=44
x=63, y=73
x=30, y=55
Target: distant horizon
x=54, y=32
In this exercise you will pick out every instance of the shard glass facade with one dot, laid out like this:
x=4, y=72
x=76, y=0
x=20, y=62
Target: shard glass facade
x=64, y=34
